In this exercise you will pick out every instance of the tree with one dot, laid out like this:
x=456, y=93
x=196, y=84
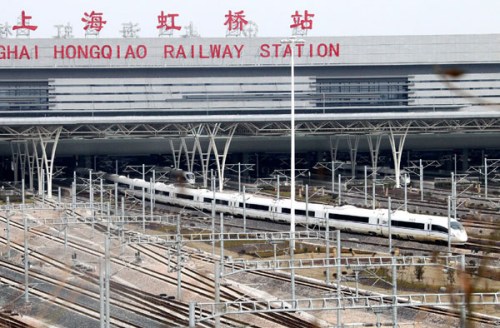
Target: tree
x=450, y=275
x=419, y=270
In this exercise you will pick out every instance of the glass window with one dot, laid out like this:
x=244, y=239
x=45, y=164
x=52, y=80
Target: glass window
x=24, y=95
x=405, y=224
x=351, y=92
x=439, y=228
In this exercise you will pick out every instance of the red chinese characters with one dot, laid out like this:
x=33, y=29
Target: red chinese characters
x=167, y=22
x=303, y=22
x=93, y=21
x=236, y=20
x=25, y=23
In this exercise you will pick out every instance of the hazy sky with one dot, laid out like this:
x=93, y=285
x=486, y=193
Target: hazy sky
x=332, y=17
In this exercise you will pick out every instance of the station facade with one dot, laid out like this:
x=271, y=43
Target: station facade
x=91, y=96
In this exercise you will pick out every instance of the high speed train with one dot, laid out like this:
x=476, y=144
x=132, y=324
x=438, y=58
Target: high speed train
x=347, y=218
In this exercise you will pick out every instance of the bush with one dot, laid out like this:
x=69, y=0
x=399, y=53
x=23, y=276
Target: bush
x=419, y=271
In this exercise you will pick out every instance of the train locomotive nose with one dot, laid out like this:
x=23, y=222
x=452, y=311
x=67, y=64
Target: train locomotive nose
x=459, y=237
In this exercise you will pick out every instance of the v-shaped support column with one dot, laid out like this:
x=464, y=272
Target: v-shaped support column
x=374, y=145
x=353, y=142
x=197, y=132
x=21, y=155
x=397, y=151
x=38, y=163
x=220, y=159
x=31, y=163
x=48, y=143
x=334, y=146
x=177, y=153
x=15, y=151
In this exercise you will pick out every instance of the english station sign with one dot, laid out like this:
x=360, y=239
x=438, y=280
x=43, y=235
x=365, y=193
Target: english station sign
x=200, y=51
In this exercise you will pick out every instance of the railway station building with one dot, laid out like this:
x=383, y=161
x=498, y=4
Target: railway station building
x=204, y=100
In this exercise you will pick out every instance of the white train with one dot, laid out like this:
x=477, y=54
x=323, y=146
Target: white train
x=346, y=218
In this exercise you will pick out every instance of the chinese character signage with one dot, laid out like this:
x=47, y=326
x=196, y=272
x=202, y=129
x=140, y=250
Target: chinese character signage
x=94, y=21
x=24, y=27
x=301, y=23
x=166, y=24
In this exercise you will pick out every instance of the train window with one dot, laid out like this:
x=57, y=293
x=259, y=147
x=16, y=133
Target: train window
x=404, y=224
x=207, y=200
x=439, y=228
x=258, y=207
x=221, y=202
x=343, y=217
x=183, y=196
x=302, y=212
x=286, y=210
x=456, y=225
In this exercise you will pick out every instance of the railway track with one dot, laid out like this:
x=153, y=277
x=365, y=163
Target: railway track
x=211, y=292
x=74, y=298
x=476, y=249
x=228, y=293
x=124, y=297
x=195, y=288
x=323, y=288
x=7, y=320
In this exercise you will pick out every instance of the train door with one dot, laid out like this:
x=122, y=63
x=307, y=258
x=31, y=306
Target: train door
x=381, y=224
x=233, y=205
x=273, y=208
x=428, y=229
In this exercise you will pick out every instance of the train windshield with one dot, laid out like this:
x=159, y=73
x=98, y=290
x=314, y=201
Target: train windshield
x=189, y=176
x=456, y=225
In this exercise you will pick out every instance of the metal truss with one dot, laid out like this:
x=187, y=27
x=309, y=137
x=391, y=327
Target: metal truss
x=259, y=125
x=238, y=266
x=34, y=206
x=167, y=220
x=207, y=310
x=202, y=311
x=217, y=237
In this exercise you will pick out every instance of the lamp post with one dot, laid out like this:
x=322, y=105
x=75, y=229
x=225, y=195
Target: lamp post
x=291, y=42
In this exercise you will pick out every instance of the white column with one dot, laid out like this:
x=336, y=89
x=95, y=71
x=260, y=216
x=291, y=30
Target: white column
x=374, y=145
x=353, y=142
x=397, y=152
x=47, y=138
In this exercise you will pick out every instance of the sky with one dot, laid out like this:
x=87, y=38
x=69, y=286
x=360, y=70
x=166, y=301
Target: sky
x=272, y=17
